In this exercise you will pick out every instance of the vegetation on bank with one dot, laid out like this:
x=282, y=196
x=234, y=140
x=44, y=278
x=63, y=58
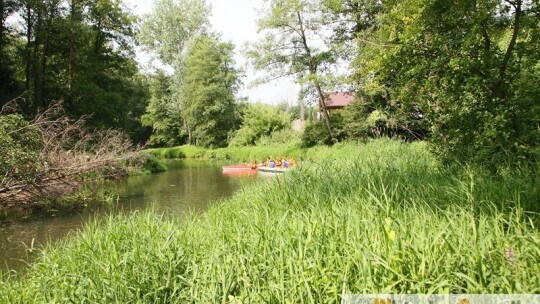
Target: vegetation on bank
x=381, y=217
x=80, y=52
x=462, y=75
x=54, y=160
x=245, y=154
x=233, y=154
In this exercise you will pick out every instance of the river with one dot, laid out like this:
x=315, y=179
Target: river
x=188, y=185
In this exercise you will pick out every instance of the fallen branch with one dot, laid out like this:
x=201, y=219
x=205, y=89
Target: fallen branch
x=68, y=156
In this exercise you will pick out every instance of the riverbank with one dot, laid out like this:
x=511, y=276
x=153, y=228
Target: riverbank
x=242, y=154
x=53, y=162
x=92, y=194
x=382, y=217
x=187, y=186
x=245, y=155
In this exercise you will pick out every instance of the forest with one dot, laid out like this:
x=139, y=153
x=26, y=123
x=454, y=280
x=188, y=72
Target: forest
x=463, y=75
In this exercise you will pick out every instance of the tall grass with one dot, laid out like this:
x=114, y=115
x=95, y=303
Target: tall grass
x=248, y=153
x=233, y=154
x=384, y=217
x=186, y=151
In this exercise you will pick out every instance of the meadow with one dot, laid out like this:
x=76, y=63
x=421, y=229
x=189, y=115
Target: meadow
x=380, y=217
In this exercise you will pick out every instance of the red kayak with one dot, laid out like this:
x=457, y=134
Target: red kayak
x=239, y=170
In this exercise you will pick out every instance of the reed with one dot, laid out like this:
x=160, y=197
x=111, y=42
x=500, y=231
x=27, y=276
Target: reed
x=383, y=217
x=233, y=154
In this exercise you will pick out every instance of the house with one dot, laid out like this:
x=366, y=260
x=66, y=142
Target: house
x=336, y=101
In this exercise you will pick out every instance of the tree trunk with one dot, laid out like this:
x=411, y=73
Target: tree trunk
x=499, y=85
x=512, y=45
x=188, y=130
x=71, y=45
x=50, y=14
x=313, y=72
x=302, y=105
x=322, y=103
x=1, y=31
x=28, y=45
x=36, y=59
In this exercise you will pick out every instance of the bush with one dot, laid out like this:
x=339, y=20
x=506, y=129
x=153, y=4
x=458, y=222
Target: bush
x=153, y=164
x=174, y=153
x=259, y=120
x=20, y=147
x=317, y=134
x=365, y=119
x=284, y=136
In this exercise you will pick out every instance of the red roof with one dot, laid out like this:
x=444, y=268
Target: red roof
x=340, y=99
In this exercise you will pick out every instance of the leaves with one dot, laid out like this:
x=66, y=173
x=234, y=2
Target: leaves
x=451, y=61
x=208, y=83
x=260, y=120
x=78, y=51
x=172, y=25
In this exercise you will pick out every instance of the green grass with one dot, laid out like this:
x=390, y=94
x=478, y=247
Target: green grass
x=260, y=153
x=152, y=164
x=186, y=151
x=384, y=217
x=233, y=154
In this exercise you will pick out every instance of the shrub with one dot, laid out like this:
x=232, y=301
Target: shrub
x=259, y=120
x=284, y=136
x=153, y=164
x=20, y=147
x=317, y=134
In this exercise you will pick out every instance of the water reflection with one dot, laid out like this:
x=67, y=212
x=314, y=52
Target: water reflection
x=188, y=185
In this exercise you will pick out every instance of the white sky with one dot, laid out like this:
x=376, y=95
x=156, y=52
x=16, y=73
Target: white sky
x=236, y=21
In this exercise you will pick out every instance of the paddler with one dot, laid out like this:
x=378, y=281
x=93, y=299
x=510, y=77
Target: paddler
x=253, y=164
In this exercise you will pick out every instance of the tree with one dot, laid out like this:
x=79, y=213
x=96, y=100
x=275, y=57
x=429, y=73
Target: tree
x=8, y=82
x=288, y=49
x=468, y=65
x=168, y=32
x=162, y=114
x=77, y=51
x=170, y=27
x=209, y=82
x=351, y=19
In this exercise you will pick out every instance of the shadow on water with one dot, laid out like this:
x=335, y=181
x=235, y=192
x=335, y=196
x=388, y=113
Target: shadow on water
x=188, y=186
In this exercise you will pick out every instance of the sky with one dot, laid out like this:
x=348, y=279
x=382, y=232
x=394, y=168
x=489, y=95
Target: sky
x=236, y=21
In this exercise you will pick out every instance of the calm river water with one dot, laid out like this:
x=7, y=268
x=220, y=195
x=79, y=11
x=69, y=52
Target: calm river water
x=188, y=185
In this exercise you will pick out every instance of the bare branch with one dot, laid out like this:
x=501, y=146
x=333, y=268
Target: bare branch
x=69, y=156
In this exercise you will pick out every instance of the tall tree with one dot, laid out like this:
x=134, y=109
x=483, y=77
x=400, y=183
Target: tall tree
x=78, y=51
x=162, y=114
x=168, y=32
x=8, y=82
x=295, y=45
x=469, y=65
x=171, y=25
x=209, y=82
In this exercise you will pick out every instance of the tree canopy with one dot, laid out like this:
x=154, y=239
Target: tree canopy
x=172, y=25
x=294, y=45
x=77, y=51
x=260, y=120
x=467, y=65
x=206, y=95
x=462, y=74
